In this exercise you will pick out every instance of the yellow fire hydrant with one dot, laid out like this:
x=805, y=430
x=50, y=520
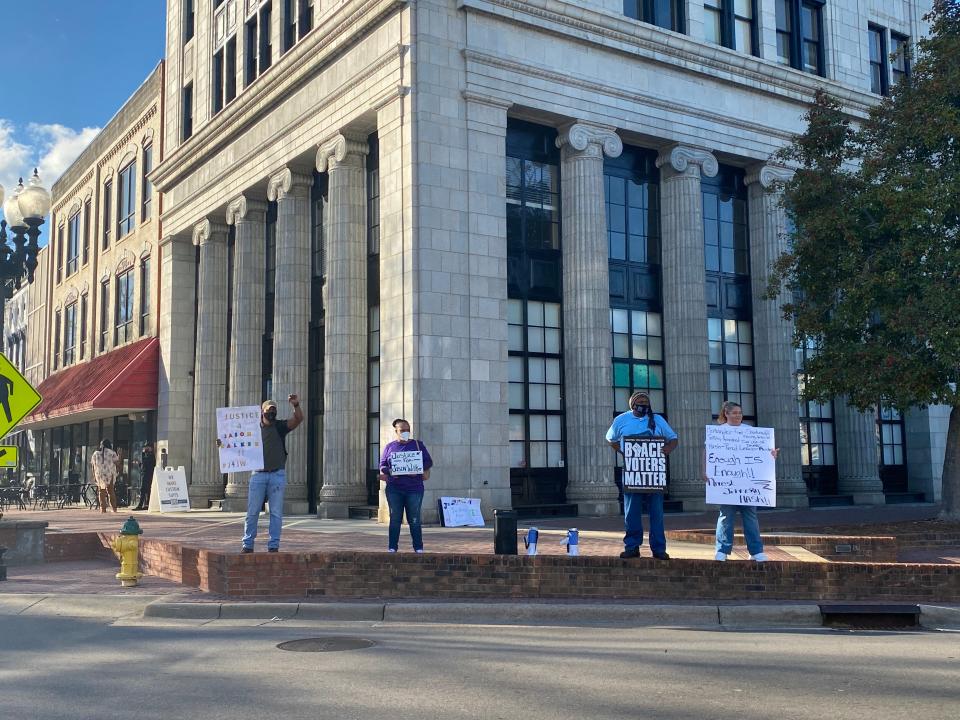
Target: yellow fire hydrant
x=127, y=547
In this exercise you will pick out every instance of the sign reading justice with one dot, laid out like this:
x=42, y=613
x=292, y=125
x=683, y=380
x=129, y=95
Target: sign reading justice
x=644, y=464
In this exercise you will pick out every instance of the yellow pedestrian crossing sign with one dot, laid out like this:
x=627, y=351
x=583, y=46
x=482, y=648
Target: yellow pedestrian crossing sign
x=8, y=456
x=17, y=396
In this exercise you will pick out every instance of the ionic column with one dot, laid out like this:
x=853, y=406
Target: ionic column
x=345, y=329
x=210, y=368
x=687, y=362
x=177, y=351
x=291, y=321
x=857, y=458
x=775, y=365
x=246, y=333
x=588, y=387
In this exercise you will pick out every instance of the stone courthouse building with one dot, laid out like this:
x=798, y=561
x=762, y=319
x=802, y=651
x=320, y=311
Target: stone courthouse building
x=496, y=219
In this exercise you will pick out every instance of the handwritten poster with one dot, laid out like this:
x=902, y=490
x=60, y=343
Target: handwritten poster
x=644, y=464
x=740, y=466
x=459, y=512
x=241, y=443
x=171, y=485
x=406, y=463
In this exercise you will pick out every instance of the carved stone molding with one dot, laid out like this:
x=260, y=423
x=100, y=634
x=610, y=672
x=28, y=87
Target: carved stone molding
x=206, y=231
x=126, y=261
x=769, y=176
x=337, y=150
x=681, y=157
x=483, y=99
x=243, y=208
x=287, y=182
x=584, y=137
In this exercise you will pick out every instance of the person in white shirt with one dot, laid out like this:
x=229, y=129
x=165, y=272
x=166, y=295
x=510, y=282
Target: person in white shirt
x=731, y=414
x=105, y=463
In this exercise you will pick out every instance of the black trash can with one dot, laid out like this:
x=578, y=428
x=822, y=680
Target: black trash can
x=505, y=532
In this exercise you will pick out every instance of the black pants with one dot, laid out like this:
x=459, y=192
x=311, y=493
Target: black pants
x=145, y=484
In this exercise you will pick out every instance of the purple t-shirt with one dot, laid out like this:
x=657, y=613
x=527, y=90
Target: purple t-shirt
x=404, y=482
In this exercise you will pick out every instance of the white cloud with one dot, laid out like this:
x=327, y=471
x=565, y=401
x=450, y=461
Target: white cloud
x=49, y=148
x=14, y=156
x=57, y=147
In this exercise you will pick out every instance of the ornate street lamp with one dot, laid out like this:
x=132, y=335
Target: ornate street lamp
x=23, y=213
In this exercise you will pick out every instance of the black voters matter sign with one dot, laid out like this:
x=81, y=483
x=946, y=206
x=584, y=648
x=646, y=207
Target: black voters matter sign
x=644, y=464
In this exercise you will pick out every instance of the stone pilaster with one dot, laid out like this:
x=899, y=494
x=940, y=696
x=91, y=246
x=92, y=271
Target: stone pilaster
x=210, y=369
x=345, y=331
x=685, y=314
x=291, y=321
x=177, y=346
x=588, y=397
x=246, y=335
x=857, y=459
x=775, y=366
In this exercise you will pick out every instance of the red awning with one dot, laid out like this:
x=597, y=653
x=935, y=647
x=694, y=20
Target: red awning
x=122, y=381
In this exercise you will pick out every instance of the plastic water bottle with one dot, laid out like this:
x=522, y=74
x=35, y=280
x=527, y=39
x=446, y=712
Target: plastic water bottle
x=530, y=541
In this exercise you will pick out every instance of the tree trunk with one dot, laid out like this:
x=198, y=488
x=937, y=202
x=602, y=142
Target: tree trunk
x=951, y=469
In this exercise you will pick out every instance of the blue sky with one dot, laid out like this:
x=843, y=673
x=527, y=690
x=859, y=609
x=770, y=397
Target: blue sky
x=68, y=66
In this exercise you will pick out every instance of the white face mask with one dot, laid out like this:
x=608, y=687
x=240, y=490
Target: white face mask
x=405, y=436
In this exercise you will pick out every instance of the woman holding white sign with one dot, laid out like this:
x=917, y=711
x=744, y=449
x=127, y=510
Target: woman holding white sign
x=731, y=415
x=404, y=465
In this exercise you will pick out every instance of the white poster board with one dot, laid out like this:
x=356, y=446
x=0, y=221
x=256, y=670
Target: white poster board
x=644, y=464
x=406, y=463
x=171, y=487
x=460, y=512
x=241, y=442
x=740, y=466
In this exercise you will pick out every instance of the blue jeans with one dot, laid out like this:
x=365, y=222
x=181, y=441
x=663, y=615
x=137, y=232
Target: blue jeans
x=633, y=521
x=751, y=528
x=399, y=501
x=267, y=486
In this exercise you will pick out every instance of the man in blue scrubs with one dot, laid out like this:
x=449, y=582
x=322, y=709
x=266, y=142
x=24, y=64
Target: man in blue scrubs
x=640, y=420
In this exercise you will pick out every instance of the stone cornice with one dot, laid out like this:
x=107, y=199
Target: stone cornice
x=243, y=208
x=769, y=176
x=587, y=138
x=619, y=33
x=207, y=231
x=315, y=52
x=288, y=182
x=337, y=151
x=683, y=159
x=483, y=99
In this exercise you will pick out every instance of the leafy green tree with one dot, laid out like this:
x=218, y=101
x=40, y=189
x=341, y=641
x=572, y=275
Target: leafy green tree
x=873, y=273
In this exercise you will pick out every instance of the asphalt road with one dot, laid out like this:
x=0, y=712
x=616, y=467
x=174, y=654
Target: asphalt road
x=76, y=668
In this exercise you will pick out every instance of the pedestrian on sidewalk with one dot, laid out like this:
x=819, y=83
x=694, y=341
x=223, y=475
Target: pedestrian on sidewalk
x=404, y=465
x=270, y=482
x=731, y=415
x=148, y=461
x=640, y=420
x=105, y=464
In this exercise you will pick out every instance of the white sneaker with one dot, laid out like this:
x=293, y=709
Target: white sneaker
x=419, y=552
x=720, y=557
x=760, y=557
x=390, y=550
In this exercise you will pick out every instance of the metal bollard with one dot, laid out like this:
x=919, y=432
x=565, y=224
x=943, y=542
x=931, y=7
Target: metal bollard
x=505, y=532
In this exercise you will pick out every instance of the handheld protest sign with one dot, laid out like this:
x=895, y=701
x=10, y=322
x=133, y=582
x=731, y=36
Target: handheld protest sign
x=644, y=464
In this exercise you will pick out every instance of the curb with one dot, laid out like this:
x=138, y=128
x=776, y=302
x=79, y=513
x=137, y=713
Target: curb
x=478, y=613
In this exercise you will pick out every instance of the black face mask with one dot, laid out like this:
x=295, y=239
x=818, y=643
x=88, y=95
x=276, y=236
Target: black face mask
x=270, y=416
x=641, y=410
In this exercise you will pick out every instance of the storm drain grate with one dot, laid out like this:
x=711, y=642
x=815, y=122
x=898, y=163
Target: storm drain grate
x=337, y=643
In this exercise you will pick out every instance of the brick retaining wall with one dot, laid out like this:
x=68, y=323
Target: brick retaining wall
x=375, y=575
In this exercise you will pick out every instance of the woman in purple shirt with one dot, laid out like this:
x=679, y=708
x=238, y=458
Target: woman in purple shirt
x=404, y=465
